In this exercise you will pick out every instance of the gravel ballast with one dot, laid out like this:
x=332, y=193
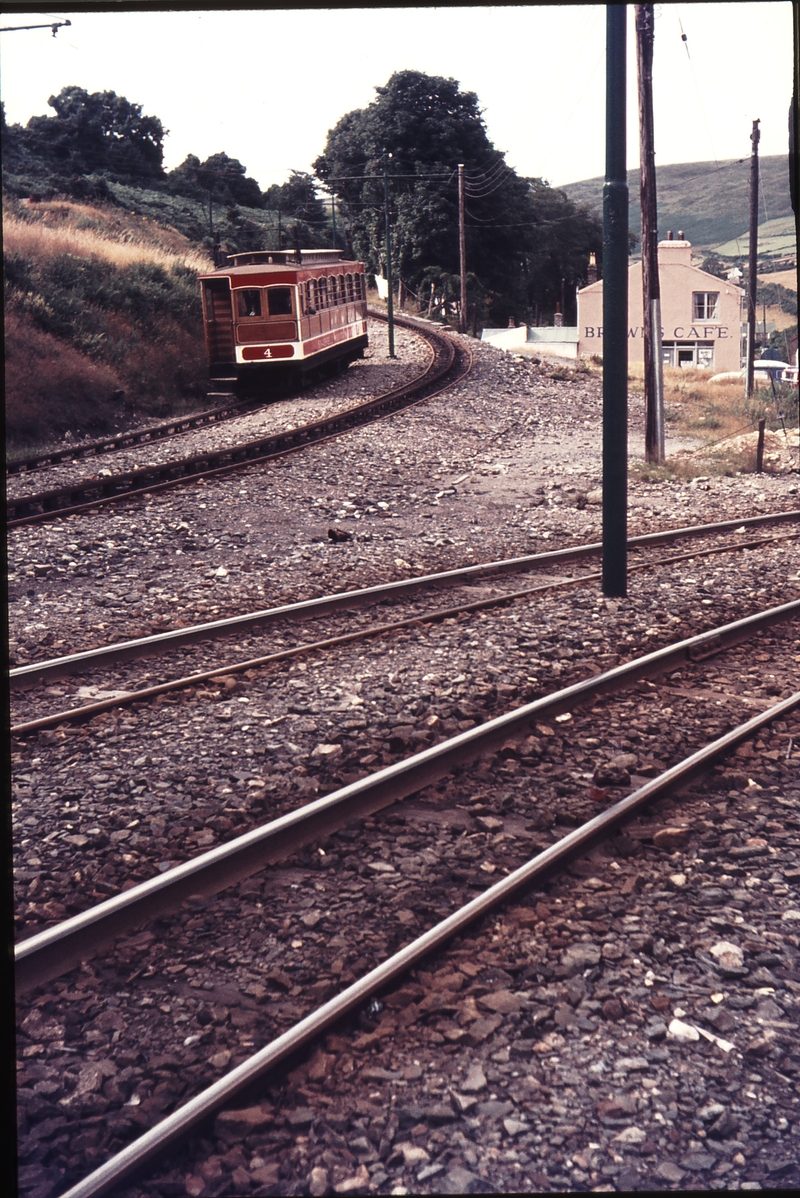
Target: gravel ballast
x=533, y=1054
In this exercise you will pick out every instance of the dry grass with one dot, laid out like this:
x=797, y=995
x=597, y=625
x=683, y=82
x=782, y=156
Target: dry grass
x=710, y=411
x=86, y=231
x=723, y=419
x=67, y=356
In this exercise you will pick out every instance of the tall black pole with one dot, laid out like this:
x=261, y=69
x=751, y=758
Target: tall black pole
x=333, y=214
x=390, y=297
x=615, y=314
x=752, y=281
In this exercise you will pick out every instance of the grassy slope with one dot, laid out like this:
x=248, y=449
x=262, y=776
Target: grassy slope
x=98, y=302
x=710, y=204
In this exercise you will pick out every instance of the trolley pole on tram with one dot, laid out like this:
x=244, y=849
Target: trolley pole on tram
x=390, y=297
x=615, y=314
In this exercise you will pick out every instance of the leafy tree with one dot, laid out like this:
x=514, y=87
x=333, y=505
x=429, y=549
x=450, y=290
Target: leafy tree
x=223, y=176
x=100, y=131
x=714, y=265
x=522, y=237
x=297, y=198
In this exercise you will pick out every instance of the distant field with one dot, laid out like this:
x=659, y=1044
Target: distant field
x=775, y=239
x=786, y=278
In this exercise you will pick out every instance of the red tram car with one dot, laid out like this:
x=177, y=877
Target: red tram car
x=272, y=320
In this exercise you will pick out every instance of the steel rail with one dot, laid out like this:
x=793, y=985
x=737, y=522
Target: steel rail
x=88, y=710
x=145, y=1150
x=34, y=672
x=148, y=479
x=49, y=953
x=142, y=436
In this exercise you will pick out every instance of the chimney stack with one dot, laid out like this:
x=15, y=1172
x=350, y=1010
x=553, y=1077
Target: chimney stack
x=680, y=235
x=591, y=271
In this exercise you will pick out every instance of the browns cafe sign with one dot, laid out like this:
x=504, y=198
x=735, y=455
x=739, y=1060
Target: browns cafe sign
x=701, y=333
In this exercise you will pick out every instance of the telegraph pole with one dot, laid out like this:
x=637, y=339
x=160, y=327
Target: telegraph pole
x=390, y=297
x=752, y=282
x=615, y=314
x=651, y=290
x=462, y=252
x=333, y=215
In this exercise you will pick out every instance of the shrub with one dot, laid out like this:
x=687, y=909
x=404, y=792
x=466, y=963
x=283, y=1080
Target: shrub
x=51, y=387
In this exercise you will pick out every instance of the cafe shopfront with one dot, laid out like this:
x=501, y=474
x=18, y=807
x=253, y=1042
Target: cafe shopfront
x=701, y=315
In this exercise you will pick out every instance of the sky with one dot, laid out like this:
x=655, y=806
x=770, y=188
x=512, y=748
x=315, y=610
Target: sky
x=265, y=86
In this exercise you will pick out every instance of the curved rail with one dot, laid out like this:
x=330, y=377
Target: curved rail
x=140, y=436
x=444, y=370
x=49, y=953
x=148, y=1147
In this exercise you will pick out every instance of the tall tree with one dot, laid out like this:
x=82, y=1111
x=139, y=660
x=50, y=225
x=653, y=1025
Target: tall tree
x=223, y=176
x=297, y=198
x=100, y=131
x=522, y=237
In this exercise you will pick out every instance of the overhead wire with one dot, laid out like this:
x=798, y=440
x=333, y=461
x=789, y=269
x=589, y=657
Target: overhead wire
x=481, y=195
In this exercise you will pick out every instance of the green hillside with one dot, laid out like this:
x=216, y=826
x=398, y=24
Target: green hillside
x=710, y=201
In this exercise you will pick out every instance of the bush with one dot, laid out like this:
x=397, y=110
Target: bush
x=82, y=325
x=51, y=387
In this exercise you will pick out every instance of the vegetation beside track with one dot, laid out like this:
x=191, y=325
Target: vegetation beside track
x=102, y=312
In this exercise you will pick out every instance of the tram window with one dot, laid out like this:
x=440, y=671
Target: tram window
x=249, y=302
x=342, y=291
x=349, y=286
x=280, y=301
x=311, y=296
x=323, y=293
x=332, y=297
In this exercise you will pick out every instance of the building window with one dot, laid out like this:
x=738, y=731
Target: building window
x=705, y=305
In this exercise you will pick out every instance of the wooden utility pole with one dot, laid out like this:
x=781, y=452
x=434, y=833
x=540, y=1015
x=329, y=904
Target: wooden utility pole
x=615, y=314
x=752, y=282
x=462, y=252
x=389, y=279
x=651, y=290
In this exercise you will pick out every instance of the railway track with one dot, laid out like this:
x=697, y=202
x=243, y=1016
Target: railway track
x=172, y=1016
x=83, y=663
x=450, y=361
x=131, y=437
x=48, y=954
